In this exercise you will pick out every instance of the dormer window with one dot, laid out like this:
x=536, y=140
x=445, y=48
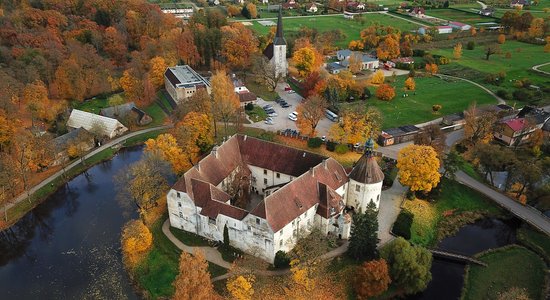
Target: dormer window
x=357, y=188
x=178, y=194
x=265, y=172
x=257, y=221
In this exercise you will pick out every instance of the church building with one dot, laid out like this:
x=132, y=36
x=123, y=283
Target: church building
x=268, y=195
x=276, y=51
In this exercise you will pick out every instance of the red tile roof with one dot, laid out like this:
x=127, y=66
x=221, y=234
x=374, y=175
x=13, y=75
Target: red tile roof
x=516, y=124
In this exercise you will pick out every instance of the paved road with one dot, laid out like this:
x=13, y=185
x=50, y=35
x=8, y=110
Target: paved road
x=59, y=173
x=536, y=68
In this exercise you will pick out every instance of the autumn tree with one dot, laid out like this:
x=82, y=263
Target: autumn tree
x=372, y=279
x=418, y=167
x=389, y=48
x=310, y=112
x=7, y=130
x=143, y=183
x=157, y=67
x=356, y=125
x=377, y=77
x=479, y=125
x=265, y=72
x=199, y=102
x=166, y=147
x=186, y=48
x=233, y=11
x=385, y=92
x=431, y=135
x=131, y=85
x=193, y=280
x=225, y=102
x=527, y=173
x=501, y=38
x=364, y=234
x=306, y=60
x=252, y=10
x=410, y=84
x=194, y=134
x=490, y=50
x=431, y=69
x=355, y=62
x=493, y=158
x=239, y=45
x=457, y=51
x=136, y=242
x=35, y=96
x=452, y=163
x=240, y=287
x=114, y=45
x=409, y=265
x=537, y=28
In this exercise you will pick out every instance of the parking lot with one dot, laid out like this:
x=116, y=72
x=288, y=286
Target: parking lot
x=281, y=121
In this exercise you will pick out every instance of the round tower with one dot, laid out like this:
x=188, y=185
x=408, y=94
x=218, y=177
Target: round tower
x=365, y=181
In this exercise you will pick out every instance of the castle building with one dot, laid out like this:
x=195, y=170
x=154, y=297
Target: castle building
x=276, y=51
x=287, y=192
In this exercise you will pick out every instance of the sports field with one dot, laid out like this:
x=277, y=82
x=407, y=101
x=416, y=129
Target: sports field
x=351, y=28
x=459, y=16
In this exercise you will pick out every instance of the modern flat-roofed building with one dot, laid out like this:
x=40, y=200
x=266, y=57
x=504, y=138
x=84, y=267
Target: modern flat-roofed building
x=182, y=82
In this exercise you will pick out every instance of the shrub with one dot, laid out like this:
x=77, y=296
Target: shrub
x=331, y=146
x=471, y=45
x=385, y=92
x=249, y=106
x=419, y=52
x=366, y=93
x=282, y=260
x=403, y=223
x=443, y=60
x=341, y=149
x=503, y=94
x=436, y=107
x=314, y=142
x=267, y=136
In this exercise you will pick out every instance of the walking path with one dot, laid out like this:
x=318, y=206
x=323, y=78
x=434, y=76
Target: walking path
x=536, y=68
x=483, y=5
x=59, y=173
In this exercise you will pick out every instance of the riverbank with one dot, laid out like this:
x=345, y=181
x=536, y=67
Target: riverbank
x=75, y=168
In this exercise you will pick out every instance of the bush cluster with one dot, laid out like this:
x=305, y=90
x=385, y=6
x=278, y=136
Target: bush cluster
x=341, y=149
x=403, y=223
x=314, y=142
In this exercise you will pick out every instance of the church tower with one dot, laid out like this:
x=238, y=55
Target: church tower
x=276, y=51
x=365, y=181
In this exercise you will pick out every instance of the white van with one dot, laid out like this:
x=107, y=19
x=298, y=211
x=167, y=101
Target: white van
x=331, y=116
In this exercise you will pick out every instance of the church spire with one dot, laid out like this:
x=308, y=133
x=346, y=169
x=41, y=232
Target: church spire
x=279, y=38
x=369, y=147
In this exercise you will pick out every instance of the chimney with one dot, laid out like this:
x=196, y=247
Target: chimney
x=245, y=136
x=198, y=166
x=325, y=163
x=312, y=171
x=214, y=151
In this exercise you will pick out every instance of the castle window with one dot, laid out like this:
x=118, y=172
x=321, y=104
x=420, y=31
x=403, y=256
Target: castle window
x=258, y=221
x=265, y=172
x=181, y=215
x=179, y=204
x=281, y=243
x=378, y=198
x=357, y=188
x=278, y=175
x=281, y=231
x=249, y=228
x=265, y=180
x=178, y=195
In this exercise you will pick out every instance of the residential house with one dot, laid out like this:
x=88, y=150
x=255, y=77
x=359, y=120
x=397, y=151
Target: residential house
x=519, y=129
x=459, y=26
x=519, y=3
x=182, y=82
x=417, y=12
x=213, y=2
x=367, y=62
x=290, y=4
x=127, y=112
x=355, y=6
x=245, y=96
x=311, y=7
x=288, y=192
x=335, y=68
x=95, y=124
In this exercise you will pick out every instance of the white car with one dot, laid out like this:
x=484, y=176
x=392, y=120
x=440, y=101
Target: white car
x=272, y=114
x=291, y=91
x=293, y=116
x=269, y=122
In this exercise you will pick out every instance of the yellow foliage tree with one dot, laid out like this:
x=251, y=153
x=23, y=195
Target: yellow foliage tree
x=136, y=242
x=377, y=77
x=410, y=84
x=252, y=10
x=457, y=51
x=301, y=275
x=193, y=280
x=194, y=133
x=304, y=60
x=157, y=67
x=356, y=126
x=35, y=96
x=225, y=103
x=131, y=85
x=536, y=30
x=501, y=38
x=240, y=287
x=169, y=150
x=355, y=45
x=418, y=167
x=7, y=130
x=389, y=48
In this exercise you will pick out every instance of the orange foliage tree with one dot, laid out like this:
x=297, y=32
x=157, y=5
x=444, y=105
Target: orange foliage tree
x=193, y=280
x=501, y=38
x=35, y=96
x=457, y=51
x=225, y=103
x=431, y=69
x=372, y=279
x=410, y=84
x=115, y=45
x=157, y=67
x=385, y=92
x=7, y=130
x=186, y=48
x=239, y=44
x=131, y=85
x=389, y=48
x=310, y=113
x=194, y=133
x=136, y=243
x=166, y=146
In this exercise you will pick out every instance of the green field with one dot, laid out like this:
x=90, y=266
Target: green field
x=453, y=95
x=545, y=68
x=459, y=16
x=352, y=29
x=509, y=267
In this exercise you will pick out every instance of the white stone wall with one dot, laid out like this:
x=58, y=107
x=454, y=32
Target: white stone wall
x=258, y=177
x=359, y=197
x=285, y=238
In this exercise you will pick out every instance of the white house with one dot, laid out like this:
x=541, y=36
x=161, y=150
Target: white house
x=290, y=191
x=460, y=26
x=91, y=122
x=367, y=62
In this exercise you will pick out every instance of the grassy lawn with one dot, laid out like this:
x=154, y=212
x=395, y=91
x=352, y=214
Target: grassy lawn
x=524, y=56
x=459, y=16
x=470, y=170
x=535, y=240
x=545, y=68
x=453, y=197
x=499, y=12
x=188, y=238
x=508, y=267
x=261, y=90
x=257, y=114
x=453, y=95
x=351, y=28
x=156, y=113
x=94, y=105
x=160, y=268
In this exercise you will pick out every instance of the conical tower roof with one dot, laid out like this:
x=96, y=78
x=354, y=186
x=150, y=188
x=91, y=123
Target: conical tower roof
x=279, y=38
x=367, y=170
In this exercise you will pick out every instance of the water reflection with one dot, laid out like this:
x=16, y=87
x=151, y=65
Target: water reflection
x=68, y=247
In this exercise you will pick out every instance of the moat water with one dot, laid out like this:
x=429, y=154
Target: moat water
x=69, y=246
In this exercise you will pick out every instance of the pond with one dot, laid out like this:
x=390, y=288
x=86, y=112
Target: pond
x=448, y=276
x=68, y=247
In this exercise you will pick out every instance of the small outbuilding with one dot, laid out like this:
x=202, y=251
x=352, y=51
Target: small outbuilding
x=127, y=112
x=398, y=135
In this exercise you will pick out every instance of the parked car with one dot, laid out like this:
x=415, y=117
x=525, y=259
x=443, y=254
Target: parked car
x=285, y=105
x=267, y=106
x=268, y=122
x=293, y=116
x=272, y=114
x=288, y=88
x=291, y=91
x=324, y=138
x=278, y=99
x=270, y=111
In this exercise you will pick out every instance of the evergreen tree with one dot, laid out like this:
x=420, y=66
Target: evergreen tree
x=452, y=163
x=225, y=235
x=364, y=234
x=245, y=12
